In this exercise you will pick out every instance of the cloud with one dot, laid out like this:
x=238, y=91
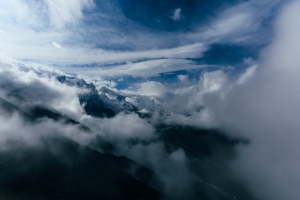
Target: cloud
x=29, y=86
x=26, y=87
x=151, y=88
x=242, y=24
x=62, y=13
x=265, y=110
x=247, y=75
x=183, y=78
x=262, y=106
x=228, y=25
x=18, y=12
x=84, y=55
x=5, y=59
x=97, y=81
x=121, y=128
x=171, y=169
x=68, y=24
x=140, y=69
x=177, y=14
x=187, y=103
x=56, y=45
x=129, y=134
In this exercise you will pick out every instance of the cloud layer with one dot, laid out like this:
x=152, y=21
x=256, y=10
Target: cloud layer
x=93, y=32
x=262, y=106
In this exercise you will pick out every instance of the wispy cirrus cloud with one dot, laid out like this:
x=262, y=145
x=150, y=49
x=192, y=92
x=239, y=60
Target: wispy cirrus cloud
x=62, y=13
x=94, y=32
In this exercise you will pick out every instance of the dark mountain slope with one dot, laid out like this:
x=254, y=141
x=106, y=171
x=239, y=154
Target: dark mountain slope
x=42, y=112
x=7, y=108
x=62, y=169
x=209, y=153
x=37, y=112
x=59, y=168
x=94, y=104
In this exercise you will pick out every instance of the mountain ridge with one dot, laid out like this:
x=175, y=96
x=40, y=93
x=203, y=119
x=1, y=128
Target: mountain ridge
x=108, y=103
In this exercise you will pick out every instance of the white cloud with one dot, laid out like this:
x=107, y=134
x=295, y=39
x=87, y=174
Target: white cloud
x=183, y=78
x=86, y=54
x=194, y=105
x=177, y=14
x=151, y=88
x=21, y=13
x=97, y=81
x=261, y=106
x=37, y=85
x=5, y=59
x=66, y=12
x=230, y=24
x=141, y=69
x=250, y=72
x=213, y=81
x=56, y=45
x=32, y=26
x=121, y=128
x=266, y=109
x=239, y=24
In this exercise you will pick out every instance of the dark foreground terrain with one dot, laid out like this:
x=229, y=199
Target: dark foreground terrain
x=59, y=168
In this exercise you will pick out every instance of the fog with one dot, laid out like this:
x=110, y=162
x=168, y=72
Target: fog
x=266, y=110
x=131, y=136
x=262, y=106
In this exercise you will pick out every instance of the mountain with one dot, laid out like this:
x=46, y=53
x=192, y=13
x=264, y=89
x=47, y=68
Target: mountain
x=141, y=102
x=59, y=168
x=42, y=112
x=8, y=109
x=116, y=101
x=108, y=103
x=70, y=172
x=208, y=153
x=37, y=112
x=94, y=103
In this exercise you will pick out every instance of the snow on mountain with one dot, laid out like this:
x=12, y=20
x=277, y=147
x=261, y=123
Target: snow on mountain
x=80, y=83
x=88, y=97
x=141, y=102
x=150, y=103
x=107, y=102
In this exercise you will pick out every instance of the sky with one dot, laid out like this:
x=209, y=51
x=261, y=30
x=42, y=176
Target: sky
x=229, y=65
x=136, y=38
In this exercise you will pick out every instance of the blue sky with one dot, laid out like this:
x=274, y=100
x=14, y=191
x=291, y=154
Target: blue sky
x=137, y=40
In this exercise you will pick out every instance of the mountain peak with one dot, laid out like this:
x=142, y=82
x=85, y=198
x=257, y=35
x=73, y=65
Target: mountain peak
x=80, y=83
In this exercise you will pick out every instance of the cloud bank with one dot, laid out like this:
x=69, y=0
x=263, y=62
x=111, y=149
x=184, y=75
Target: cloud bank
x=128, y=134
x=262, y=106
